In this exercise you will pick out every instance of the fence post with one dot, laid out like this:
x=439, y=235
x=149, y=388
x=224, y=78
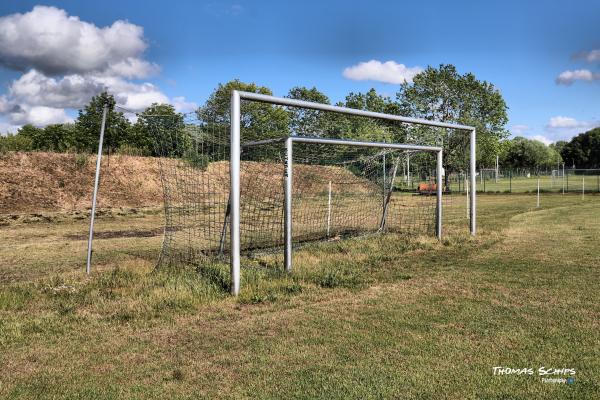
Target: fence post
x=439, y=189
x=538, y=191
x=383, y=179
x=567, y=182
x=510, y=182
x=329, y=211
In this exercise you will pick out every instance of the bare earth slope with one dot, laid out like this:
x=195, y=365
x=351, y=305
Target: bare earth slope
x=62, y=182
x=34, y=182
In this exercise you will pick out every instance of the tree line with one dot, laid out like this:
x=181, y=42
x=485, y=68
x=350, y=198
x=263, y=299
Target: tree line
x=582, y=152
x=440, y=94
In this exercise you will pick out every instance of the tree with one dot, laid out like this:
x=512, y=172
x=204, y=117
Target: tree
x=302, y=120
x=362, y=128
x=33, y=134
x=371, y=101
x=55, y=138
x=258, y=120
x=88, y=123
x=16, y=142
x=443, y=94
x=529, y=154
x=154, y=129
x=583, y=151
x=559, y=145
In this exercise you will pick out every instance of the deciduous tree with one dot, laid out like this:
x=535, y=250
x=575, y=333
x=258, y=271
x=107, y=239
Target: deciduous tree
x=443, y=94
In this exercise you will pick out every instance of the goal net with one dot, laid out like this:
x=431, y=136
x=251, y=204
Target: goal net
x=338, y=177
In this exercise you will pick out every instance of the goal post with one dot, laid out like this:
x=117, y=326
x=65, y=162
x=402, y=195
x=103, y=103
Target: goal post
x=235, y=148
x=289, y=180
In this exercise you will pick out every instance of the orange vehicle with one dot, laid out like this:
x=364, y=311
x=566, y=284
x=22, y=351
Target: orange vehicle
x=430, y=188
x=427, y=188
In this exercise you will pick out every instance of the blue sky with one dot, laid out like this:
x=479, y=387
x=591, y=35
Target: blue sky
x=186, y=48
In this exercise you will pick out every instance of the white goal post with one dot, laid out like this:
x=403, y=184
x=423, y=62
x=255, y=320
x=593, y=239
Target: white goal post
x=235, y=161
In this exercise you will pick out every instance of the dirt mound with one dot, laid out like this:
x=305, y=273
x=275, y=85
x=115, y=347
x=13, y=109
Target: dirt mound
x=64, y=182
x=31, y=182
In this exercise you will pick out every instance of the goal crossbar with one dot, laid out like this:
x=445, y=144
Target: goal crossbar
x=235, y=161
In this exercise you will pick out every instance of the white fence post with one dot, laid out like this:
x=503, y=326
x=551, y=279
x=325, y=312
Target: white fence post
x=329, y=211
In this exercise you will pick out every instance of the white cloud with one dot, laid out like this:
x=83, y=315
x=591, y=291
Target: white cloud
x=388, y=72
x=68, y=61
x=4, y=104
x=561, y=122
x=134, y=96
x=133, y=68
x=522, y=130
x=519, y=129
x=184, y=106
x=70, y=91
x=73, y=91
x=569, y=77
x=8, y=128
x=563, y=128
x=589, y=56
x=38, y=115
x=53, y=42
x=542, y=138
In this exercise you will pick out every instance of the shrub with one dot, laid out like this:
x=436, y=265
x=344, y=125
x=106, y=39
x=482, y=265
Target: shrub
x=15, y=143
x=81, y=160
x=129, y=150
x=196, y=160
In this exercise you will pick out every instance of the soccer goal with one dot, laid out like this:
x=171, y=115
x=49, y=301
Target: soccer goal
x=280, y=173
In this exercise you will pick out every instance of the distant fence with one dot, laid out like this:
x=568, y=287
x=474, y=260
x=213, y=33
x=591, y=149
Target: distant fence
x=573, y=181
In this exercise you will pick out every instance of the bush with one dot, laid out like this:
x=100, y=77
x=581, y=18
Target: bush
x=129, y=150
x=81, y=160
x=196, y=160
x=15, y=143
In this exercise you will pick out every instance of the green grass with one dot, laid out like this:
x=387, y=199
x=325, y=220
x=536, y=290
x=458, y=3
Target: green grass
x=378, y=317
x=522, y=184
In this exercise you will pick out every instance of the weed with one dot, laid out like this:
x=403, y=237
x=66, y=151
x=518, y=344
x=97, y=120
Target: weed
x=81, y=160
x=177, y=375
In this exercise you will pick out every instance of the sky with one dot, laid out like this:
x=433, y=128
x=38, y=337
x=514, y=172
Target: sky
x=544, y=56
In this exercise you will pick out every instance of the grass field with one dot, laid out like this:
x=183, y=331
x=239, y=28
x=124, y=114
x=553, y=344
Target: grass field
x=379, y=317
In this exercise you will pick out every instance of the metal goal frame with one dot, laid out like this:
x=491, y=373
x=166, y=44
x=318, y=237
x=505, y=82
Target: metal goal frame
x=235, y=160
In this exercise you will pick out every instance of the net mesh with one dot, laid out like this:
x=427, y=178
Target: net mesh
x=337, y=191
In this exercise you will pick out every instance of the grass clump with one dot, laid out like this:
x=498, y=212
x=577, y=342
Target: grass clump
x=331, y=277
x=81, y=160
x=16, y=297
